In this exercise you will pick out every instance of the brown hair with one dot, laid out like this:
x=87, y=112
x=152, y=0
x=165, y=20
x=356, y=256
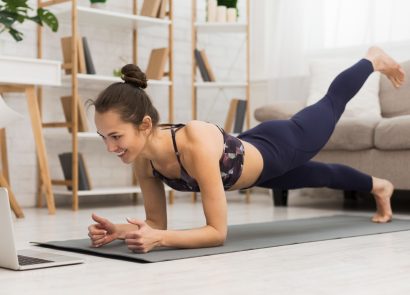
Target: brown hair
x=128, y=98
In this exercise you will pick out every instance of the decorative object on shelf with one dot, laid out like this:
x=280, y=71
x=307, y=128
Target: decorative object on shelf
x=84, y=182
x=99, y=4
x=156, y=64
x=221, y=14
x=211, y=11
x=116, y=72
x=162, y=11
x=82, y=118
x=67, y=51
x=89, y=64
x=236, y=116
x=228, y=3
x=150, y=8
x=239, y=116
x=231, y=15
x=12, y=11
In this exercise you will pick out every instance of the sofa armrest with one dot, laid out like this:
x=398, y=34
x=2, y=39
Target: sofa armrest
x=278, y=110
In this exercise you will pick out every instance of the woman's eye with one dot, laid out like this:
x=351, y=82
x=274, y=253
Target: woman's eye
x=116, y=137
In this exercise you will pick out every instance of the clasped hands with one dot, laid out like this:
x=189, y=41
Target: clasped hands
x=137, y=234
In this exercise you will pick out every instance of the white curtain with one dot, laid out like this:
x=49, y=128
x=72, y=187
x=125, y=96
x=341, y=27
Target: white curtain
x=296, y=28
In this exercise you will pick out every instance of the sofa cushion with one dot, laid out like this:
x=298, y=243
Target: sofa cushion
x=364, y=104
x=395, y=102
x=353, y=134
x=278, y=110
x=393, y=133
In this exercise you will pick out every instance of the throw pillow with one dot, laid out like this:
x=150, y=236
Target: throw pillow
x=395, y=102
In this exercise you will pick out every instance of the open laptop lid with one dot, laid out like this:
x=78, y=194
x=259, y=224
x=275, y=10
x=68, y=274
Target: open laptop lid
x=8, y=252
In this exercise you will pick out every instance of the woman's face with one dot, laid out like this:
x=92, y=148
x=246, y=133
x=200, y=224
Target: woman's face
x=120, y=137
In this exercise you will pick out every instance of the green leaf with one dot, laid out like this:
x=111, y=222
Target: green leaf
x=12, y=11
x=18, y=36
x=48, y=18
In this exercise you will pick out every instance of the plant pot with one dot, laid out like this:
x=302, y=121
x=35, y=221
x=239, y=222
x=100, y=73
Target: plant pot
x=98, y=5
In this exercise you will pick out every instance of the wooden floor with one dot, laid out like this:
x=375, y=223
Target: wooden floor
x=378, y=264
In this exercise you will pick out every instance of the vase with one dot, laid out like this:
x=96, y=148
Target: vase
x=98, y=5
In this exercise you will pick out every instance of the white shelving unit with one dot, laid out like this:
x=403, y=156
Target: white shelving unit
x=69, y=11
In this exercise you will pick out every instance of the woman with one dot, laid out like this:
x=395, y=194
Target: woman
x=201, y=157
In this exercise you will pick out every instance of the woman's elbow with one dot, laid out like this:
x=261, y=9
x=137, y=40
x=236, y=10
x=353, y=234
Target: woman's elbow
x=221, y=239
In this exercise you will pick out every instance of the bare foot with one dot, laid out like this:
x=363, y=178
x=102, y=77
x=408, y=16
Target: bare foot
x=382, y=191
x=383, y=63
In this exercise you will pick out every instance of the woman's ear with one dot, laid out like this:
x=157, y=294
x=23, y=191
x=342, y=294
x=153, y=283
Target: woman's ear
x=146, y=124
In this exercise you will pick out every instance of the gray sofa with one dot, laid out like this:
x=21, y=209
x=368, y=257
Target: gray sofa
x=379, y=147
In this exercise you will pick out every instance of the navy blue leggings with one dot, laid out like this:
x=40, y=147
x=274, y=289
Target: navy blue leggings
x=288, y=145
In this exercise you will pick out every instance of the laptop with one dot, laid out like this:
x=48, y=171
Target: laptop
x=23, y=259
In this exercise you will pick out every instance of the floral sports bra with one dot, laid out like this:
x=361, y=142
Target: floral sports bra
x=230, y=164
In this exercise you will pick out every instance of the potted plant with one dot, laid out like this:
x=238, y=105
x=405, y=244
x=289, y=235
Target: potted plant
x=12, y=11
x=229, y=4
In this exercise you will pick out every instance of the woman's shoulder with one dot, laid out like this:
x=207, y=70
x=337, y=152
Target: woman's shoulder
x=204, y=134
x=197, y=129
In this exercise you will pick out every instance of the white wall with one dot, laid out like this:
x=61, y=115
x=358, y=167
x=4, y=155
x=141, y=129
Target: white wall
x=108, y=45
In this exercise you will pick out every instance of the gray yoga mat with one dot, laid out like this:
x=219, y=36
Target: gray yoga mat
x=248, y=237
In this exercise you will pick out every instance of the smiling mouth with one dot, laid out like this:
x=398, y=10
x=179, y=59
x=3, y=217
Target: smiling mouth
x=120, y=154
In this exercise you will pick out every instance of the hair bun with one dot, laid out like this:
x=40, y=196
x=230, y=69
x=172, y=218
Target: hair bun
x=132, y=74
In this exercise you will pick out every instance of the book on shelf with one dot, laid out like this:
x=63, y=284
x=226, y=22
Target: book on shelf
x=88, y=58
x=82, y=118
x=207, y=66
x=231, y=115
x=84, y=182
x=201, y=66
x=156, y=64
x=150, y=8
x=239, y=116
x=66, y=46
x=162, y=11
x=236, y=116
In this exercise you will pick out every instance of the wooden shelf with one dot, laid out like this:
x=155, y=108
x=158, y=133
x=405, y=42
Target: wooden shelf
x=221, y=84
x=82, y=16
x=220, y=28
x=99, y=81
x=242, y=84
x=108, y=19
